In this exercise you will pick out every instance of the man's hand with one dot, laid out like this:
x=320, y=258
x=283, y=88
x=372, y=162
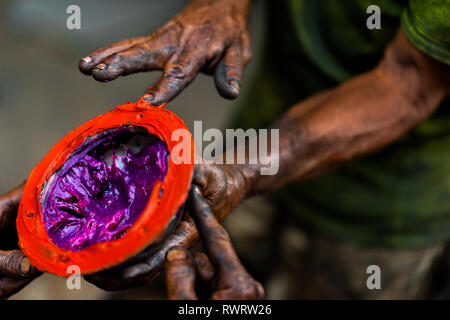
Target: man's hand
x=223, y=186
x=222, y=272
x=208, y=35
x=15, y=269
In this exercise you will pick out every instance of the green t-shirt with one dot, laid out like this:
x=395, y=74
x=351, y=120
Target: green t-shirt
x=398, y=197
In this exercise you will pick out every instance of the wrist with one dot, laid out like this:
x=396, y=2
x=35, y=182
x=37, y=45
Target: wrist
x=243, y=178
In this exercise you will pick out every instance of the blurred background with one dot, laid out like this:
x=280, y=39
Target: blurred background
x=43, y=96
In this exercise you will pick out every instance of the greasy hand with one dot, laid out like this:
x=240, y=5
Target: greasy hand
x=15, y=269
x=223, y=187
x=220, y=270
x=208, y=35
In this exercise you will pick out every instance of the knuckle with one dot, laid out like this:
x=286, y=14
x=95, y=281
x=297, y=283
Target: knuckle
x=248, y=290
x=180, y=272
x=201, y=258
x=115, y=61
x=175, y=72
x=247, y=55
x=141, y=49
x=115, y=57
x=234, y=70
x=200, y=179
x=220, y=235
x=11, y=260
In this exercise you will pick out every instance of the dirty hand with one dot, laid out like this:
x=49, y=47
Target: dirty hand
x=15, y=269
x=220, y=270
x=223, y=186
x=208, y=36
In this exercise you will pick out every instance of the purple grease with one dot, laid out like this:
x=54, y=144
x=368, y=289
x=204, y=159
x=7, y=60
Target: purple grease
x=88, y=201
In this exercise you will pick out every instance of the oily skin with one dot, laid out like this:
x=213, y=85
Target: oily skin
x=208, y=36
x=15, y=269
x=220, y=269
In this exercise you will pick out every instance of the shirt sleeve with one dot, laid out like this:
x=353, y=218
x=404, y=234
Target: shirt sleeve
x=426, y=23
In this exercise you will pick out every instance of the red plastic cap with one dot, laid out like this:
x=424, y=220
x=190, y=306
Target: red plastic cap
x=159, y=211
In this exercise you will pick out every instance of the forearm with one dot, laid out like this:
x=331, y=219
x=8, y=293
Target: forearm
x=360, y=116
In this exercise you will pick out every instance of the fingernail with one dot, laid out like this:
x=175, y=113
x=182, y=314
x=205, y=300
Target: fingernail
x=176, y=254
x=86, y=59
x=150, y=97
x=175, y=72
x=25, y=266
x=100, y=67
x=235, y=84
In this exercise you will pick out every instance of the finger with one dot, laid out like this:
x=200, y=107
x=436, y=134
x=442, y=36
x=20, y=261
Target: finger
x=134, y=276
x=233, y=281
x=163, y=39
x=185, y=235
x=140, y=274
x=135, y=59
x=9, y=204
x=243, y=288
x=14, y=263
x=145, y=271
x=89, y=62
x=179, y=72
x=205, y=269
x=180, y=275
x=228, y=73
x=215, y=239
x=10, y=286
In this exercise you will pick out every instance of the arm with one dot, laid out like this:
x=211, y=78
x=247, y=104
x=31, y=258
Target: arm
x=358, y=117
x=208, y=35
